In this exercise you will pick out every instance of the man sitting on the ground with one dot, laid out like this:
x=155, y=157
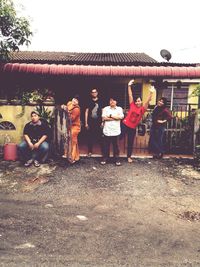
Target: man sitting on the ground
x=34, y=149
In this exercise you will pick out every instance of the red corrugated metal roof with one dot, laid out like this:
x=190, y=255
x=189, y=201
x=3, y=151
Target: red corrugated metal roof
x=90, y=70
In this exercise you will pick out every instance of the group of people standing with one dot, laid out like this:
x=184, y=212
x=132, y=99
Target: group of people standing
x=105, y=125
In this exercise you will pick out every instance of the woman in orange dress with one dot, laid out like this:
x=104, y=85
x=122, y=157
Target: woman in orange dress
x=73, y=109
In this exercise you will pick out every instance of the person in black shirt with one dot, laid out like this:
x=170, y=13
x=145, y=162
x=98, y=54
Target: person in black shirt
x=93, y=120
x=160, y=116
x=35, y=146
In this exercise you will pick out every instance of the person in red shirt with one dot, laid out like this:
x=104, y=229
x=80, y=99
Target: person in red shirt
x=133, y=118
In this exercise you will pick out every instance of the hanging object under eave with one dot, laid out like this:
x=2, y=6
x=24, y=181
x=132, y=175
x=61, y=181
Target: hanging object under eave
x=165, y=54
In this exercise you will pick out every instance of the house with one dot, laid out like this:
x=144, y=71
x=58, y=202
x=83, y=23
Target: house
x=67, y=73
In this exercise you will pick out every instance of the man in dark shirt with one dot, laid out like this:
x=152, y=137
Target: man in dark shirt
x=35, y=147
x=93, y=120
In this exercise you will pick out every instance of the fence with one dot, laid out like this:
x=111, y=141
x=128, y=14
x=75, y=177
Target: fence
x=178, y=138
x=179, y=133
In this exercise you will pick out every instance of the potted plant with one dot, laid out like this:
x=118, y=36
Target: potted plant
x=48, y=97
x=30, y=98
x=35, y=97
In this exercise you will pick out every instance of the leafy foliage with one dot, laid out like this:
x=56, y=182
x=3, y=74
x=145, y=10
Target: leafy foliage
x=196, y=91
x=28, y=97
x=45, y=114
x=14, y=31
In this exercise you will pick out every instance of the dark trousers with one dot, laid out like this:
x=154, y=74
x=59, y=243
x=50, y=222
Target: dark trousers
x=107, y=141
x=156, y=139
x=130, y=132
x=40, y=154
x=94, y=135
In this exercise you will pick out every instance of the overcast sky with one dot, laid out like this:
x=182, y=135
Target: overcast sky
x=116, y=26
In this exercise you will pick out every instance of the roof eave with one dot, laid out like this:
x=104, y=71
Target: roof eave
x=91, y=70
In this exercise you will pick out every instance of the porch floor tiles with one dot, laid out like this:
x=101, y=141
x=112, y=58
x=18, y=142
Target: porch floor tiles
x=137, y=153
x=143, y=155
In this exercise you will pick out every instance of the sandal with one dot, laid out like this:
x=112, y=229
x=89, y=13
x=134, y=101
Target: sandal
x=36, y=163
x=130, y=160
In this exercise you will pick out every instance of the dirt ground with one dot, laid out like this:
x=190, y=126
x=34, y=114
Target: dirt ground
x=142, y=214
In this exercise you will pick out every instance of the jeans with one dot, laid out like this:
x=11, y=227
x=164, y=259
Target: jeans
x=107, y=141
x=156, y=145
x=130, y=140
x=40, y=154
x=94, y=135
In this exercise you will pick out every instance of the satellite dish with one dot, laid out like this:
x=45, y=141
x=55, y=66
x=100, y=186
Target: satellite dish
x=165, y=54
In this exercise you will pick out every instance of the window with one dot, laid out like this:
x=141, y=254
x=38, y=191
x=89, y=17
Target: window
x=177, y=95
x=6, y=125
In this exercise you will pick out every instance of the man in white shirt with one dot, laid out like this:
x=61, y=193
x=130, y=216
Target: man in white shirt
x=111, y=117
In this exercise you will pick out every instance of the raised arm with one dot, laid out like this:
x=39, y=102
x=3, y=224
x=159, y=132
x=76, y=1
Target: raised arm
x=130, y=94
x=151, y=91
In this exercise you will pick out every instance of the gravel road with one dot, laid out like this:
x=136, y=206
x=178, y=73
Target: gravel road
x=146, y=213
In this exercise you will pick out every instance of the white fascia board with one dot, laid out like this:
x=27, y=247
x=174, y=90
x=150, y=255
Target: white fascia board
x=182, y=80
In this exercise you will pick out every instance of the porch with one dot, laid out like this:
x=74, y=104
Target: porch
x=178, y=138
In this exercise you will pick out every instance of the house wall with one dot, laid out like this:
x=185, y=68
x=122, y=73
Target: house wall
x=145, y=94
x=192, y=99
x=65, y=88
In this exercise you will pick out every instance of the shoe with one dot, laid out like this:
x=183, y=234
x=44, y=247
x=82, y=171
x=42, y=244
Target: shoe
x=72, y=161
x=64, y=156
x=89, y=155
x=160, y=155
x=118, y=163
x=36, y=163
x=130, y=160
x=28, y=163
x=103, y=162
